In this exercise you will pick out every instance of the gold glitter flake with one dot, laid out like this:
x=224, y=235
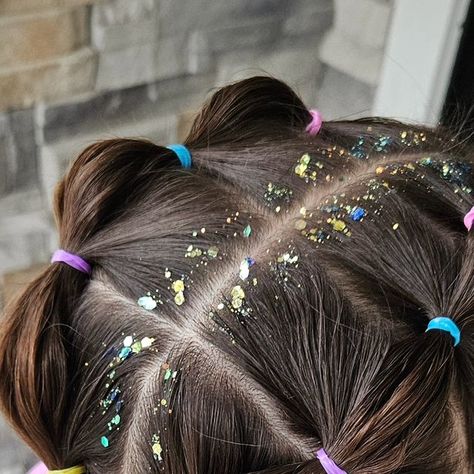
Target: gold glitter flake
x=338, y=225
x=300, y=224
x=302, y=165
x=238, y=295
x=305, y=171
x=178, y=285
x=277, y=195
x=179, y=298
x=212, y=251
x=193, y=252
x=156, y=448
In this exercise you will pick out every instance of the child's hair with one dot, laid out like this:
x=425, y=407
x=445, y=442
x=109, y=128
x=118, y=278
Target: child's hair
x=270, y=301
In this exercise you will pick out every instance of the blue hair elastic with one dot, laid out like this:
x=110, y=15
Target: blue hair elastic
x=443, y=323
x=182, y=153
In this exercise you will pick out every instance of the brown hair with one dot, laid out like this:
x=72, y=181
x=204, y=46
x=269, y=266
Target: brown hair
x=348, y=244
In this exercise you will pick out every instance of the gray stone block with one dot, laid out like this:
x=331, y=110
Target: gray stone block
x=177, y=18
x=94, y=113
x=355, y=45
x=126, y=35
x=121, y=12
x=200, y=57
x=365, y=22
x=18, y=156
x=24, y=241
x=60, y=77
x=188, y=39
x=171, y=56
x=117, y=25
x=248, y=34
x=20, y=202
x=126, y=67
x=118, y=37
x=109, y=110
x=341, y=96
x=306, y=17
x=260, y=8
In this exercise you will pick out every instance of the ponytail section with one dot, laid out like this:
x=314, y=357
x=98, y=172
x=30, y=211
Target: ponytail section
x=37, y=360
x=463, y=308
x=256, y=108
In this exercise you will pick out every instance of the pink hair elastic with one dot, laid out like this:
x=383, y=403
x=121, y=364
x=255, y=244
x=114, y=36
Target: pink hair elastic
x=72, y=260
x=328, y=464
x=469, y=219
x=314, y=126
x=39, y=468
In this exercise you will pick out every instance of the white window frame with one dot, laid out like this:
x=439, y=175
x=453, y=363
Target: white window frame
x=421, y=49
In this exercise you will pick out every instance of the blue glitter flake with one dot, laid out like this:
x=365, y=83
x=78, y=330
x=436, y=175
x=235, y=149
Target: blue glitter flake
x=382, y=143
x=322, y=235
x=358, y=213
x=455, y=172
x=250, y=261
x=124, y=352
x=332, y=208
x=357, y=151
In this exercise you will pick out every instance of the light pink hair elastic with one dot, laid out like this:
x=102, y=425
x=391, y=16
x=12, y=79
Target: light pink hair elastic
x=314, y=126
x=39, y=468
x=469, y=219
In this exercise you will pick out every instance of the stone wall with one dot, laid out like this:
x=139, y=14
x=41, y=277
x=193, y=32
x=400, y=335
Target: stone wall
x=73, y=71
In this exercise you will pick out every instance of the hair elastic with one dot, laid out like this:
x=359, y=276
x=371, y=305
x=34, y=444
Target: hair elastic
x=469, y=219
x=70, y=470
x=72, y=260
x=443, y=323
x=314, y=126
x=40, y=468
x=182, y=153
x=328, y=464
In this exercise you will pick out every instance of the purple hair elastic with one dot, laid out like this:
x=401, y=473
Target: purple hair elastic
x=72, y=260
x=314, y=126
x=328, y=464
x=469, y=219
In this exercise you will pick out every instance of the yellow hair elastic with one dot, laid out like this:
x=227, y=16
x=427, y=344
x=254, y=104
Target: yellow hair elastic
x=70, y=470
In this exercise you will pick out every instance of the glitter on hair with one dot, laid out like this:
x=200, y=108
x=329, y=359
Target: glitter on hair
x=277, y=194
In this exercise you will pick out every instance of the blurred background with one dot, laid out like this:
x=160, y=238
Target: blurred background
x=74, y=71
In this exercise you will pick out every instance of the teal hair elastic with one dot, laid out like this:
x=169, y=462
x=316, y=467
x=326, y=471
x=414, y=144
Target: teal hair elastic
x=443, y=323
x=182, y=153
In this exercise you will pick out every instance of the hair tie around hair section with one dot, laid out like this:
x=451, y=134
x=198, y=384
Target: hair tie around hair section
x=328, y=464
x=70, y=470
x=74, y=261
x=469, y=219
x=314, y=126
x=183, y=154
x=41, y=468
x=443, y=323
